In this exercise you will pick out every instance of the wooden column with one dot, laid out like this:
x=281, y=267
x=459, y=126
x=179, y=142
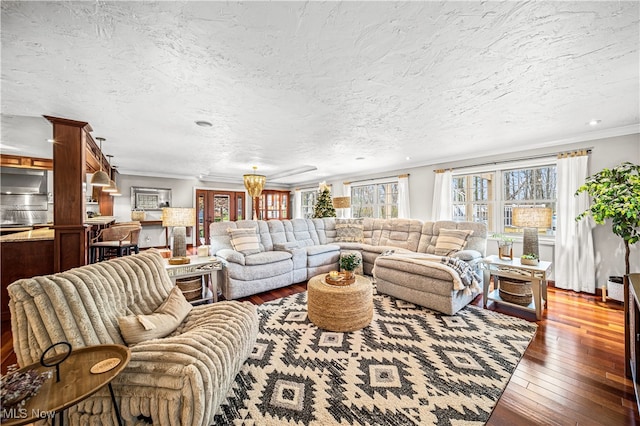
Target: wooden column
x=69, y=165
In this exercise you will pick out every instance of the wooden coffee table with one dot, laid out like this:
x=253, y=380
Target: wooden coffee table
x=76, y=383
x=340, y=308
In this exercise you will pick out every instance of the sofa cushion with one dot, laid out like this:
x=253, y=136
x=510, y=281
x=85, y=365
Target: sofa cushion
x=324, y=248
x=162, y=322
x=451, y=240
x=266, y=257
x=244, y=240
x=349, y=231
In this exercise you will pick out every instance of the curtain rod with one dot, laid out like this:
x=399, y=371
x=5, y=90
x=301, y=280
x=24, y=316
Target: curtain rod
x=377, y=178
x=531, y=157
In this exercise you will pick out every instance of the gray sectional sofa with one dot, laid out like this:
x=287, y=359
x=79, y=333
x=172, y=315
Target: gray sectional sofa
x=292, y=251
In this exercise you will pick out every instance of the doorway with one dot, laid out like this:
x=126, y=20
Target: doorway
x=217, y=206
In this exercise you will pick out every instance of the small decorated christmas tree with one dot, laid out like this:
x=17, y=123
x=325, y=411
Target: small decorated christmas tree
x=324, y=205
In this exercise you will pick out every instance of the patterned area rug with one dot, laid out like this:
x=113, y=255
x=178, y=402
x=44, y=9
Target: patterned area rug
x=410, y=366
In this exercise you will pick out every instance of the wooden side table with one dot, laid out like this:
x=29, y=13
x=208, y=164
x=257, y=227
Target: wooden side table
x=537, y=274
x=199, y=267
x=77, y=383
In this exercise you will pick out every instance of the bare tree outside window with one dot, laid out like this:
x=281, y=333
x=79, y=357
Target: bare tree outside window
x=309, y=199
x=375, y=200
x=490, y=197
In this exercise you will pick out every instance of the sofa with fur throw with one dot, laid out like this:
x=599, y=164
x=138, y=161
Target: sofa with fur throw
x=178, y=379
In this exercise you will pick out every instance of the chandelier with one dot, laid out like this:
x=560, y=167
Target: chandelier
x=254, y=183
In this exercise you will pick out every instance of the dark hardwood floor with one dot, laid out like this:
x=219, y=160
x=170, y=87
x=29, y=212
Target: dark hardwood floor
x=572, y=373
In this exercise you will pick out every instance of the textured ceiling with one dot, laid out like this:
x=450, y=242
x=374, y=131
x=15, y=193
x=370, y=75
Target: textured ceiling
x=292, y=84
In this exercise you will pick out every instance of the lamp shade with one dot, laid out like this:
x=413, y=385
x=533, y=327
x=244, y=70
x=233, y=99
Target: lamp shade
x=532, y=217
x=341, y=202
x=100, y=178
x=178, y=216
x=254, y=183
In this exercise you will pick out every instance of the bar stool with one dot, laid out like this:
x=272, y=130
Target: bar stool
x=114, y=241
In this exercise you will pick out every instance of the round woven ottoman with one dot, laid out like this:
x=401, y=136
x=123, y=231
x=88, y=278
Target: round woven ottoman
x=340, y=308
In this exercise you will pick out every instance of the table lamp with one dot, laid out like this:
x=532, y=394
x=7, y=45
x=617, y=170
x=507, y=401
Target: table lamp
x=179, y=218
x=531, y=218
x=341, y=203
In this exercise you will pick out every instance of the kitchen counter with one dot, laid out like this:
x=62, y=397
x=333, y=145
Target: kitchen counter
x=41, y=234
x=24, y=254
x=100, y=220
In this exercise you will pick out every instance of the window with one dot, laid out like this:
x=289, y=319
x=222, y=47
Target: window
x=309, y=199
x=378, y=200
x=473, y=199
x=489, y=197
x=534, y=187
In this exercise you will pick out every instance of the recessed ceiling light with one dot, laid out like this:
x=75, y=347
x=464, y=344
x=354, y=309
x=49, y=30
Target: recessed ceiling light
x=203, y=123
x=359, y=158
x=408, y=158
x=594, y=122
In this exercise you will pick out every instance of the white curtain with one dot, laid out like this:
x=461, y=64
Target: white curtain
x=574, y=259
x=404, y=209
x=297, y=204
x=442, y=207
x=346, y=192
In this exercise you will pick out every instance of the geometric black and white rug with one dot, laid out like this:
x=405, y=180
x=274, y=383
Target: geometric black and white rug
x=410, y=366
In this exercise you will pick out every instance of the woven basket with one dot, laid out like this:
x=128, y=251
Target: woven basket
x=518, y=299
x=516, y=291
x=137, y=215
x=516, y=286
x=190, y=287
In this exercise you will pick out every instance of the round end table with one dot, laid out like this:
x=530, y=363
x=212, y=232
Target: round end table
x=340, y=308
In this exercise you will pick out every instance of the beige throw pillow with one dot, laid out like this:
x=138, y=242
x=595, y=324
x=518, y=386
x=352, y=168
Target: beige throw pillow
x=349, y=230
x=244, y=240
x=162, y=322
x=451, y=240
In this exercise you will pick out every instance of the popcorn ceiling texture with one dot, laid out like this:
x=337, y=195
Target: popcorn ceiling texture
x=292, y=83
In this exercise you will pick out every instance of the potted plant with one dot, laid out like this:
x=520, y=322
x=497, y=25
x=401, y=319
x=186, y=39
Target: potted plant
x=529, y=259
x=615, y=195
x=349, y=263
x=505, y=246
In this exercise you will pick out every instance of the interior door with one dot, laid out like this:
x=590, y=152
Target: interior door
x=217, y=206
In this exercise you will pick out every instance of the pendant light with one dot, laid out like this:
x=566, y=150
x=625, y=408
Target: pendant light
x=117, y=193
x=100, y=178
x=111, y=188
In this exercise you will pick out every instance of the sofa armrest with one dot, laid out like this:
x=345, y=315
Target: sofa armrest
x=231, y=256
x=286, y=246
x=467, y=255
x=182, y=378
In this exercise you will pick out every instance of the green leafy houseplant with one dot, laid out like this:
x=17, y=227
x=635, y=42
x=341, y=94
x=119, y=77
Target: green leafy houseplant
x=615, y=195
x=349, y=262
x=503, y=239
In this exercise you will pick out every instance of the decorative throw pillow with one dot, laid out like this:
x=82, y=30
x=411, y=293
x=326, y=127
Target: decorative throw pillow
x=244, y=240
x=349, y=230
x=162, y=322
x=451, y=240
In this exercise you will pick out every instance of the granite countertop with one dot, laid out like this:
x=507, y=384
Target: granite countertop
x=41, y=234
x=99, y=220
